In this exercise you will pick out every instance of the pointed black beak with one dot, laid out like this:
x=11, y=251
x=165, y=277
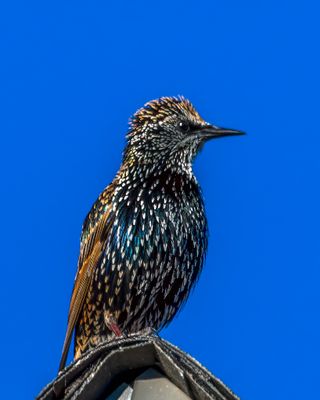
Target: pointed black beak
x=214, y=132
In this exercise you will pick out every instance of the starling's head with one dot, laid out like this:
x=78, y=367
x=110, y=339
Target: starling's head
x=169, y=131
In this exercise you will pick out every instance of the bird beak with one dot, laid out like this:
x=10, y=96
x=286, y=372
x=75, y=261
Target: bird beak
x=214, y=132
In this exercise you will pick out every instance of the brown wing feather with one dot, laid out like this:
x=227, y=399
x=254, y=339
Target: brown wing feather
x=89, y=256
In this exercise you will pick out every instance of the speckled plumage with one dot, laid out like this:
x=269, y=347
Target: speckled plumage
x=144, y=241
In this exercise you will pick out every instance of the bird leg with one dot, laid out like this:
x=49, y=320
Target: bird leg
x=112, y=324
x=149, y=332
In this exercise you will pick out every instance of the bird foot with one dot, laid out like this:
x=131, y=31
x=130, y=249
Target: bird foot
x=149, y=332
x=112, y=325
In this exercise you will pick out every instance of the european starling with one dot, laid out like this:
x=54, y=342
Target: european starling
x=144, y=241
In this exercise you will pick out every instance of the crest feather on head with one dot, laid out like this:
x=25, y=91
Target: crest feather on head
x=157, y=110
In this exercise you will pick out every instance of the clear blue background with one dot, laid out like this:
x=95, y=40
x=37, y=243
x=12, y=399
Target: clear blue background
x=71, y=74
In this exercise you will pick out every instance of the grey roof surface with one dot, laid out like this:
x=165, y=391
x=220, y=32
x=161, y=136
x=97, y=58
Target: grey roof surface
x=136, y=368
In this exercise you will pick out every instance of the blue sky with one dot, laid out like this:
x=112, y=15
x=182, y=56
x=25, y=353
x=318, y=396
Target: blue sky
x=71, y=75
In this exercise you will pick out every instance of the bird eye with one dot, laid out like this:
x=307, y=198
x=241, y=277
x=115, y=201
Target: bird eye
x=184, y=126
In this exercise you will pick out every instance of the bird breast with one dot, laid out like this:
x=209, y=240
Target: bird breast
x=155, y=248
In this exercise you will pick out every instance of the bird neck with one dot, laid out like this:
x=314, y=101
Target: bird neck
x=139, y=173
x=144, y=162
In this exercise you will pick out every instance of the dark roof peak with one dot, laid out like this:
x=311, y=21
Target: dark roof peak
x=121, y=368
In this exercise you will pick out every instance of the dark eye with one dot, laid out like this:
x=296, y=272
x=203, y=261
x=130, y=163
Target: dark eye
x=184, y=126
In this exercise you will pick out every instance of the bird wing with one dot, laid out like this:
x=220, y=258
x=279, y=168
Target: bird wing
x=92, y=243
